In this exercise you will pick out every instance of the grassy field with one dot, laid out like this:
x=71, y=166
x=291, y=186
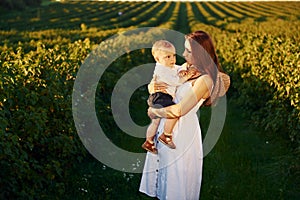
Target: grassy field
x=245, y=164
x=42, y=49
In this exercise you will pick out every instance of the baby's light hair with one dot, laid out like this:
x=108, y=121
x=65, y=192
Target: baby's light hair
x=162, y=45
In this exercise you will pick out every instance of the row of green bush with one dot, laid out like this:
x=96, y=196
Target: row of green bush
x=266, y=73
x=39, y=142
x=263, y=61
x=38, y=139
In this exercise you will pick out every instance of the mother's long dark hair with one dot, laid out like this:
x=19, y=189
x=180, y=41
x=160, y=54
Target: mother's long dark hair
x=204, y=56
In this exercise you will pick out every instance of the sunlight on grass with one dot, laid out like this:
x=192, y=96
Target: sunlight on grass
x=54, y=20
x=66, y=10
x=113, y=19
x=36, y=19
x=78, y=10
x=95, y=19
x=77, y=19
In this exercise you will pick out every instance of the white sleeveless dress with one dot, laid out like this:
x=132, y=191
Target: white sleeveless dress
x=175, y=174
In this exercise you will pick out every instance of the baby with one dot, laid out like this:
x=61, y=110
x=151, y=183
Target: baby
x=168, y=72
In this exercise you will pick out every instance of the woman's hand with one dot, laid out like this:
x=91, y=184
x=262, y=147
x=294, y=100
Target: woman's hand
x=160, y=87
x=154, y=86
x=151, y=114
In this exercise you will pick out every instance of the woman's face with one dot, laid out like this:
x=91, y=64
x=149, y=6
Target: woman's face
x=187, y=54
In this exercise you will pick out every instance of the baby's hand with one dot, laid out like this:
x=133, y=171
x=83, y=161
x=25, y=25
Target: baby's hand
x=182, y=73
x=193, y=71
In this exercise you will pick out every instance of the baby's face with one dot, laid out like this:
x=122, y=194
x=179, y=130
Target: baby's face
x=167, y=58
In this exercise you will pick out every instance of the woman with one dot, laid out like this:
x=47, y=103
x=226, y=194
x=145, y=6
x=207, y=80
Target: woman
x=176, y=173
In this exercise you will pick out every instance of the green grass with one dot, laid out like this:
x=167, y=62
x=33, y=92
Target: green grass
x=47, y=2
x=245, y=164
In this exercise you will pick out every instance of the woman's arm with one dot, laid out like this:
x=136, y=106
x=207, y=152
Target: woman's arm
x=200, y=90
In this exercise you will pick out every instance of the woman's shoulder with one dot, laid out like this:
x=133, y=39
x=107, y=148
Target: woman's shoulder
x=203, y=83
x=204, y=77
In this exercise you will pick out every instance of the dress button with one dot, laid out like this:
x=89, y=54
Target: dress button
x=157, y=170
